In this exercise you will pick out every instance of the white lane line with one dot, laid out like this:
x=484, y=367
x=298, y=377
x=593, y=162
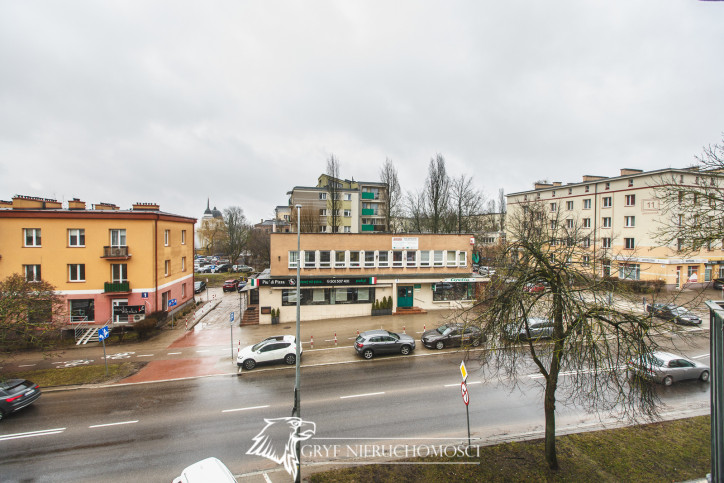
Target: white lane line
x=205, y=350
x=266, y=478
x=362, y=395
x=113, y=424
x=144, y=355
x=27, y=365
x=701, y=356
x=30, y=434
x=458, y=384
x=173, y=353
x=244, y=409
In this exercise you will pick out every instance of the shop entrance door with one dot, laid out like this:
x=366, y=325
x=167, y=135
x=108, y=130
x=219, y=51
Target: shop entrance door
x=404, y=296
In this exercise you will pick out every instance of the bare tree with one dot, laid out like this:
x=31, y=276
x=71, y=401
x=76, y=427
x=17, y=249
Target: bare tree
x=416, y=211
x=259, y=246
x=437, y=194
x=501, y=208
x=237, y=232
x=334, y=201
x=467, y=203
x=308, y=220
x=594, y=333
x=30, y=314
x=692, y=203
x=212, y=235
x=391, y=205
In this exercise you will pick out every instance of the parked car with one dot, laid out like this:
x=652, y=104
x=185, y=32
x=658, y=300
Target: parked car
x=224, y=267
x=207, y=269
x=230, y=285
x=679, y=315
x=534, y=287
x=240, y=286
x=373, y=342
x=667, y=368
x=538, y=327
x=272, y=349
x=15, y=394
x=243, y=268
x=451, y=335
x=209, y=469
x=199, y=286
x=718, y=283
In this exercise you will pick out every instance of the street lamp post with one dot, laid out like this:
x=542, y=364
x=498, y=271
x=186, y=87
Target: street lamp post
x=297, y=408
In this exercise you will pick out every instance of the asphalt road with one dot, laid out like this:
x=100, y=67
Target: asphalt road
x=150, y=432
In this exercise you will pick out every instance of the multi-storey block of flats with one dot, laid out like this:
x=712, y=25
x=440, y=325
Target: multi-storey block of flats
x=111, y=266
x=621, y=219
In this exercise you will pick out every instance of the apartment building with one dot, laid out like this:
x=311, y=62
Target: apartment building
x=359, y=206
x=110, y=265
x=620, y=217
x=342, y=275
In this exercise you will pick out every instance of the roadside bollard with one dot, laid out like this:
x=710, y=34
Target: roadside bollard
x=335, y=339
x=403, y=330
x=238, y=349
x=357, y=332
x=187, y=324
x=311, y=342
x=423, y=327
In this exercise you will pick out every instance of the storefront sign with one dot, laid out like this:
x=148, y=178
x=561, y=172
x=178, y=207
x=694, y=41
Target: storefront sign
x=404, y=243
x=460, y=280
x=129, y=309
x=314, y=282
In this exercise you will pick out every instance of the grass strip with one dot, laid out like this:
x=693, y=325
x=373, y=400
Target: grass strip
x=664, y=451
x=70, y=376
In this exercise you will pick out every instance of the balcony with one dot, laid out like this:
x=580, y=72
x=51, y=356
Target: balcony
x=368, y=227
x=116, y=253
x=368, y=196
x=116, y=287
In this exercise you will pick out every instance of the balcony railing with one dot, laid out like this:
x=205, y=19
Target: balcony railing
x=115, y=252
x=110, y=287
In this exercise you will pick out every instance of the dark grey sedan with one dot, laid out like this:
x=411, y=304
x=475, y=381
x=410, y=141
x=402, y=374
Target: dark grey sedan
x=678, y=315
x=373, y=342
x=15, y=394
x=538, y=328
x=451, y=335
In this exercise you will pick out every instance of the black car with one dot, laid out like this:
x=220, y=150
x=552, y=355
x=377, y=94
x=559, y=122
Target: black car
x=225, y=267
x=15, y=394
x=538, y=328
x=679, y=315
x=451, y=335
x=199, y=286
x=718, y=283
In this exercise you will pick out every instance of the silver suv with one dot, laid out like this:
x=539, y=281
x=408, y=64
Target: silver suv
x=374, y=342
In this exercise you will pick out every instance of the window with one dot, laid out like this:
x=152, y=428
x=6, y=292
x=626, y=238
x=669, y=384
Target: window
x=118, y=238
x=588, y=188
x=76, y=237
x=692, y=270
x=630, y=271
x=586, y=242
x=554, y=193
x=82, y=310
x=328, y=296
x=310, y=259
x=630, y=182
x=462, y=259
x=119, y=272
x=383, y=259
x=628, y=243
x=629, y=221
x=354, y=261
x=166, y=267
x=183, y=237
x=348, y=229
x=76, y=272
x=411, y=258
x=585, y=260
x=294, y=259
x=325, y=259
x=425, y=258
x=569, y=223
x=347, y=197
x=322, y=229
x=183, y=291
x=183, y=264
x=32, y=237
x=322, y=196
x=587, y=204
x=397, y=258
x=679, y=244
x=554, y=224
x=453, y=291
x=438, y=260
x=339, y=259
x=630, y=200
x=322, y=212
x=605, y=242
x=166, y=236
x=569, y=205
x=570, y=191
x=607, y=222
x=553, y=206
x=608, y=186
x=680, y=220
x=586, y=223
x=32, y=273
x=607, y=202
x=451, y=258
x=347, y=213
x=369, y=258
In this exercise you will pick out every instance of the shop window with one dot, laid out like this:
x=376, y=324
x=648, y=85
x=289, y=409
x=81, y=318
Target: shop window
x=82, y=310
x=629, y=271
x=452, y=291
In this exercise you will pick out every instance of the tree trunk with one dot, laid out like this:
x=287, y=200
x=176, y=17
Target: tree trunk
x=549, y=405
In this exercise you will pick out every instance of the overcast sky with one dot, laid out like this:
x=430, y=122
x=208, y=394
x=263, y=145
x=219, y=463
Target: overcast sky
x=173, y=102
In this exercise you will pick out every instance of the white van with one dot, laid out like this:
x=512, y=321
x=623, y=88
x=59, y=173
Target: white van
x=206, y=471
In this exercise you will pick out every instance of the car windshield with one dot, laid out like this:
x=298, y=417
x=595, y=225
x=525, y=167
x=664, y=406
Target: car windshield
x=680, y=311
x=442, y=329
x=258, y=346
x=393, y=335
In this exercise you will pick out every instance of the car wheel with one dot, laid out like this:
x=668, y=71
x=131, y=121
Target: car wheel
x=668, y=380
x=404, y=350
x=249, y=364
x=290, y=359
x=704, y=376
x=476, y=342
x=440, y=345
x=368, y=354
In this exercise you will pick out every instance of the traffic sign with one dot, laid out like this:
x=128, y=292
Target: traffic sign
x=172, y=303
x=231, y=317
x=464, y=392
x=103, y=333
x=463, y=371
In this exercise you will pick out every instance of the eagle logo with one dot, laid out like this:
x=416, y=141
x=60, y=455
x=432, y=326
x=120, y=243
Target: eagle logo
x=277, y=441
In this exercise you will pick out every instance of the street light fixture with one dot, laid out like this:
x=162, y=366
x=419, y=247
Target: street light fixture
x=297, y=409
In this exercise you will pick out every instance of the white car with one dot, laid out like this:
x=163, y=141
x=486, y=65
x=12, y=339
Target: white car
x=210, y=469
x=667, y=368
x=273, y=349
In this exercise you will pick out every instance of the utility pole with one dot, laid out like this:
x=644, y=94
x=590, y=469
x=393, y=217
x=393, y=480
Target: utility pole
x=297, y=407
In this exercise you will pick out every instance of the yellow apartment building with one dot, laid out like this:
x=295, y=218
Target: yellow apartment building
x=110, y=265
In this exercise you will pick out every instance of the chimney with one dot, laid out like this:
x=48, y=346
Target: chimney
x=540, y=185
x=76, y=204
x=6, y=204
x=105, y=206
x=589, y=177
x=628, y=171
x=21, y=202
x=557, y=183
x=145, y=206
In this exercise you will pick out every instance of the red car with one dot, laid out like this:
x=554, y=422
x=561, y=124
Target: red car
x=534, y=287
x=230, y=285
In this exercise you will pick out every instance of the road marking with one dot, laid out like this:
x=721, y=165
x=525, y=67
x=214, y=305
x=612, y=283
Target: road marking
x=44, y=432
x=362, y=395
x=27, y=365
x=173, y=353
x=571, y=373
x=144, y=355
x=329, y=348
x=244, y=409
x=113, y=424
x=205, y=350
x=701, y=356
x=266, y=478
x=458, y=384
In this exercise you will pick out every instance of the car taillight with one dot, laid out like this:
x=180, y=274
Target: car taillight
x=11, y=399
x=359, y=344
